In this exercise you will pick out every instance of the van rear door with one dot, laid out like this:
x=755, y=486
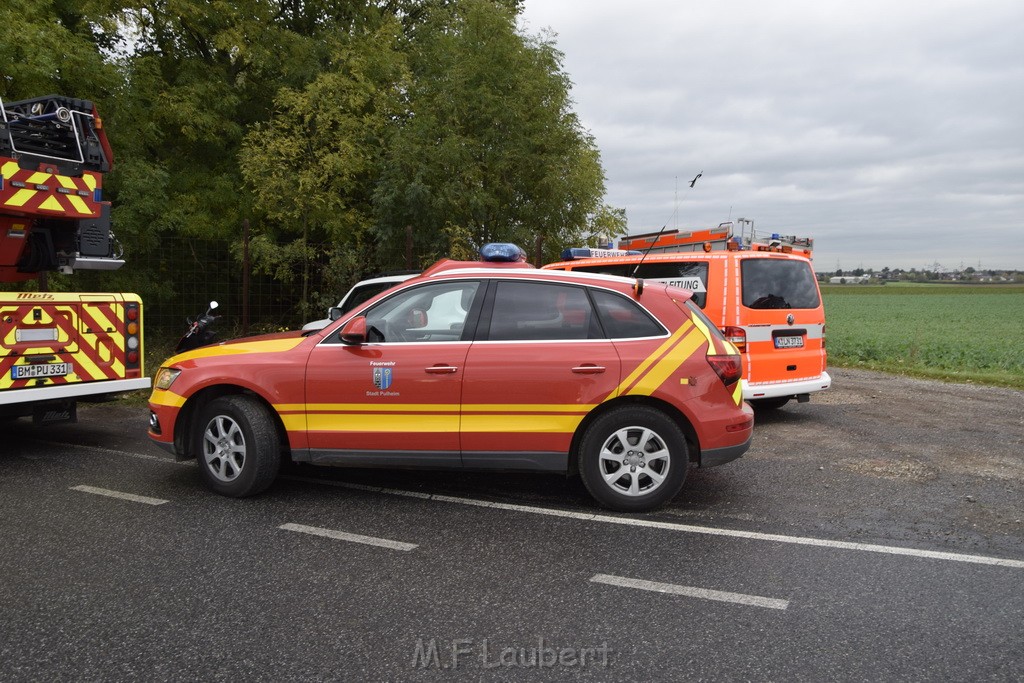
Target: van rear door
x=38, y=339
x=782, y=315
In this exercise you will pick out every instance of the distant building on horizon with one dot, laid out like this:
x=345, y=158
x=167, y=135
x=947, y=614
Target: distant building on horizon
x=849, y=279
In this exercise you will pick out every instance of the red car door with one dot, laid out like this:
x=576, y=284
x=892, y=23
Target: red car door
x=539, y=365
x=395, y=398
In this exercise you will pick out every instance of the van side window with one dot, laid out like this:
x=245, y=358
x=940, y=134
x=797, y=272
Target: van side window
x=691, y=275
x=624, y=319
x=778, y=283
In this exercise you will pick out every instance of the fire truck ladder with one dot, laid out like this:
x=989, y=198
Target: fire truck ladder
x=53, y=128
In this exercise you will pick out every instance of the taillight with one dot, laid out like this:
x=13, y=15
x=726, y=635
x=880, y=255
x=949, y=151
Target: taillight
x=133, y=340
x=728, y=368
x=740, y=427
x=736, y=336
x=822, y=336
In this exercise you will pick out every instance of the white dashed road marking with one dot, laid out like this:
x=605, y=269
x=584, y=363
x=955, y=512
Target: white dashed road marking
x=345, y=536
x=118, y=494
x=685, y=528
x=691, y=592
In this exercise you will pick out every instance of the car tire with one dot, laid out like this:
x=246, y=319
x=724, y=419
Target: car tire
x=633, y=459
x=237, y=446
x=769, y=403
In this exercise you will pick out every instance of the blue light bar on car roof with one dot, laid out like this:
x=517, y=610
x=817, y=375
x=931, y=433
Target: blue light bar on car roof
x=502, y=252
x=587, y=252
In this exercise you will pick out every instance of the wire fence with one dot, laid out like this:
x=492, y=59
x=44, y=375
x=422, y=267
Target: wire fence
x=189, y=273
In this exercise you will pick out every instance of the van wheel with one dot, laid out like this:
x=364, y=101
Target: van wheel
x=633, y=459
x=237, y=446
x=773, y=403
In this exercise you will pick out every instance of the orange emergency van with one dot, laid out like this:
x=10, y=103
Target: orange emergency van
x=761, y=292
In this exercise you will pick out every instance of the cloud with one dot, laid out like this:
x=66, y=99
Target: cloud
x=893, y=133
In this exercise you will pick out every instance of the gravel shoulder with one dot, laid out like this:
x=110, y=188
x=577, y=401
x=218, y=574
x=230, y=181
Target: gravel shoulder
x=884, y=458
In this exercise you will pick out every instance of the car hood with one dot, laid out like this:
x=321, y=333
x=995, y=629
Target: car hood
x=264, y=343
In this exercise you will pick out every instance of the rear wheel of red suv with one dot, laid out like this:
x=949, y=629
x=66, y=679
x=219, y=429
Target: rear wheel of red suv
x=237, y=446
x=633, y=458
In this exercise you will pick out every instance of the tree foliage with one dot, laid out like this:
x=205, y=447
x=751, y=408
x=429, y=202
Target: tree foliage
x=491, y=143
x=607, y=222
x=334, y=128
x=55, y=46
x=311, y=168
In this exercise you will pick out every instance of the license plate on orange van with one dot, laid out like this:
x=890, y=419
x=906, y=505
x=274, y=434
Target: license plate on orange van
x=795, y=342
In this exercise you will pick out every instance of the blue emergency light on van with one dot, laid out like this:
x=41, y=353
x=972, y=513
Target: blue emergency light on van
x=588, y=252
x=502, y=252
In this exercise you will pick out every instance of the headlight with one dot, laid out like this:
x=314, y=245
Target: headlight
x=165, y=377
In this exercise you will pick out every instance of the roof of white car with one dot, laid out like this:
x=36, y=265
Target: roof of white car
x=385, y=278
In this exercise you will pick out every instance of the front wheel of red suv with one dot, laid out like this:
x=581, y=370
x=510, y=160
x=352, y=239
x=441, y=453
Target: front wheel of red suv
x=236, y=444
x=633, y=459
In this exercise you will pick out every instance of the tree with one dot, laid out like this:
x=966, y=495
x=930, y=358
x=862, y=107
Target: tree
x=55, y=46
x=197, y=77
x=607, y=222
x=332, y=127
x=490, y=143
x=312, y=167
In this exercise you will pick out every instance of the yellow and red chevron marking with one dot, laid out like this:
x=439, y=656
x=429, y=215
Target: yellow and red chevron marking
x=61, y=195
x=90, y=336
x=665, y=360
x=718, y=346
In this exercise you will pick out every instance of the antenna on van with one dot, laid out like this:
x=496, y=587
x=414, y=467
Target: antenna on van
x=640, y=283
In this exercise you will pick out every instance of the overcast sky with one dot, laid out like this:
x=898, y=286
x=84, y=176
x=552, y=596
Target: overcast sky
x=892, y=132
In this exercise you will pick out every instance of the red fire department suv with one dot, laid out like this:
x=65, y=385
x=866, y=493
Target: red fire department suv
x=476, y=365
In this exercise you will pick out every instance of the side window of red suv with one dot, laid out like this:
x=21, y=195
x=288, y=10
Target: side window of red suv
x=624, y=319
x=540, y=311
x=434, y=312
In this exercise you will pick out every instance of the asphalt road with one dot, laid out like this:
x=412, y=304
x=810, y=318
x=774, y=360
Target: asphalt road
x=876, y=533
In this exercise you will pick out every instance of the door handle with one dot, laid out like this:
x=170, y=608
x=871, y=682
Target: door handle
x=588, y=369
x=441, y=370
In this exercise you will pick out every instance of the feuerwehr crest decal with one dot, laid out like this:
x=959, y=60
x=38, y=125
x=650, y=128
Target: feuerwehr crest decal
x=382, y=378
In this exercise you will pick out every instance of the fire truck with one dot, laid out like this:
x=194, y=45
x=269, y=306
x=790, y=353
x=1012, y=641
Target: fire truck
x=59, y=348
x=758, y=289
x=732, y=237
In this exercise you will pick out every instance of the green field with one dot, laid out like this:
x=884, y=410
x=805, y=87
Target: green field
x=964, y=333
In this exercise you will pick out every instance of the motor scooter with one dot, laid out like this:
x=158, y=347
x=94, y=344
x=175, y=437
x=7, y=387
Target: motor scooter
x=200, y=331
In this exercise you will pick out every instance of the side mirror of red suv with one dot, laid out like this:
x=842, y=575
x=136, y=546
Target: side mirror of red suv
x=354, y=331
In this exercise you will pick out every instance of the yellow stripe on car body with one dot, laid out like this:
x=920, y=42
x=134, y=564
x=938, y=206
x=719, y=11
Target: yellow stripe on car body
x=224, y=349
